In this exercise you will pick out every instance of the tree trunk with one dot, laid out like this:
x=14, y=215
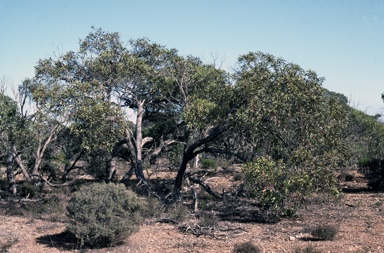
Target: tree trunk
x=188, y=156
x=112, y=163
x=139, y=142
x=132, y=158
x=69, y=166
x=26, y=175
x=11, y=172
x=42, y=147
x=111, y=169
x=190, y=153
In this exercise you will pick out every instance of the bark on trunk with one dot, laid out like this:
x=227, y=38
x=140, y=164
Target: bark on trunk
x=128, y=175
x=139, y=142
x=190, y=153
x=71, y=165
x=42, y=148
x=11, y=172
x=136, y=149
x=180, y=174
x=111, y=169
x=24, y=171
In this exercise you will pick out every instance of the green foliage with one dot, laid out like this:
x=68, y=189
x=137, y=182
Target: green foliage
x=208, y=163
x=281, y=188
x=374, y=170
x=29, y=189
x=365, y=136
x=325, y=232
x=8, y=112
x=103, y=214
x=177, y=212
x=286, y=111
x=246, y=247
x=184, y=107
x=294, y=130
x=239, y=176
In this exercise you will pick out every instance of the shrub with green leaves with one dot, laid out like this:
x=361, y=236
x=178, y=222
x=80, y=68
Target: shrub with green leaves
x=208, y=163
x=245, y=247
x=103, y=214
x=282, y=188
x=325, y=232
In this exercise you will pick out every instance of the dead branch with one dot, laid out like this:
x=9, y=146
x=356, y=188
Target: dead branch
x=206, y=187
x=216, y=232
x=168, y=220
x=69, y=183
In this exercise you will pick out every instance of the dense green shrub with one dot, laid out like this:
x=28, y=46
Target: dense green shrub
x=324, y=232
x=103, y=214
x=29, y=189
x=208, y=163
x=282, y=188
x=246, y=247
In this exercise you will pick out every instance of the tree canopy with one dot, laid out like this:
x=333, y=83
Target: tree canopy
x=111, y=101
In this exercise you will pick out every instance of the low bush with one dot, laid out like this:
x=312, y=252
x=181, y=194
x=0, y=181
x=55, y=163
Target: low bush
x=324, y=232
x=103, y=214
x=246, y=247
x=308, y=249
x=281, y=188
x=208, y=163
x=177, y=212
x=208, y=219
x=29, y=189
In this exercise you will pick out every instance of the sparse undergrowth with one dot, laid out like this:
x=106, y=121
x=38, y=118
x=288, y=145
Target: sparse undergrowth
x=8, y=244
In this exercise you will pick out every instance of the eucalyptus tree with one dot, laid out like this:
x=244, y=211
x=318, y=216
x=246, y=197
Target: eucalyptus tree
x=205, y=98
x=72, y=91
x=295, y=128
x=8, y=132
x=145, y=88
x=89, y=92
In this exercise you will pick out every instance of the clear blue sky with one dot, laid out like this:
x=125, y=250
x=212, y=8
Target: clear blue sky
x=341, y=40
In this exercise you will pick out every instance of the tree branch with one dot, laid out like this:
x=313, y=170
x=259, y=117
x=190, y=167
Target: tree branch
x=206, y=187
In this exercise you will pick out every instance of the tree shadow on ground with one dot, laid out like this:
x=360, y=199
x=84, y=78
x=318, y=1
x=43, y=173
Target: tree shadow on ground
x=360, y=190
x=311, y=239
x=63, y=241
x=245, y=211
x=248, y=217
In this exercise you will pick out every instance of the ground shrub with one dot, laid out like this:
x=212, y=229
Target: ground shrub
x=29, y=189
x=309, y=249
x=177, y=212
x=246, y=247
x=208, y=219
x=208, y=163
x=282, y=188
x=103, y=214
x=324, y=232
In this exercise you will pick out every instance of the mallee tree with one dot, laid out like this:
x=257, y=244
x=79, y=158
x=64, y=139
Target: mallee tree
x=267, y=109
